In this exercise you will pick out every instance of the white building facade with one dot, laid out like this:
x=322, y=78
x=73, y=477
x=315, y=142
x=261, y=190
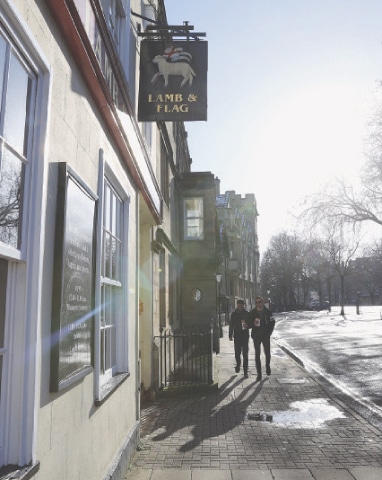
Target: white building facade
x=88, y=255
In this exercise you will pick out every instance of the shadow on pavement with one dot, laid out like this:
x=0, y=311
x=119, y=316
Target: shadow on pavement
x=215, y=413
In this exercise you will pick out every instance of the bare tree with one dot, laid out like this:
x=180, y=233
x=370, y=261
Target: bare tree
x=342, y=247
x=10, y=204
x=317, y=271
x=342, y=200
x=369, y=271
x=281, y=268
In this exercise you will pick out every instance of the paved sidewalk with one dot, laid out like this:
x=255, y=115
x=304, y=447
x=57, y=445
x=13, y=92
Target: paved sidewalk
x=284, y=427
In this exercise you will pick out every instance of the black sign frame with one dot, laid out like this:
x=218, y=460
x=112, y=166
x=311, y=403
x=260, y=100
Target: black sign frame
x=182, y=96
x=72, y=356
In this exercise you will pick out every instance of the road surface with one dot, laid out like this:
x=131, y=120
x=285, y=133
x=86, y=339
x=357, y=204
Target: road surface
x=345, y=351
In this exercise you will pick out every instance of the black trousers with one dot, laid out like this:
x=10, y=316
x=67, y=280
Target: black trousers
x=266, y=341
x=241, y=348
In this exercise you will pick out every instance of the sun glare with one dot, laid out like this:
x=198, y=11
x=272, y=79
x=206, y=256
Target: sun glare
x=316, y=133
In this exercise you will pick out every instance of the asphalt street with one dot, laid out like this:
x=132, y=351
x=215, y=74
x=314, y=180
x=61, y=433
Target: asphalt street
x=345, y=352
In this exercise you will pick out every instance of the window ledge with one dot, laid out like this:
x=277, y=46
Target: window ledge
x=10, y=472
x=109, y=388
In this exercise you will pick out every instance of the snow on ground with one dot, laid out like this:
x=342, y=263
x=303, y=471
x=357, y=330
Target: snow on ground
x=366, y=313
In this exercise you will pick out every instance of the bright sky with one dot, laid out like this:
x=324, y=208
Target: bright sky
x=291, y=84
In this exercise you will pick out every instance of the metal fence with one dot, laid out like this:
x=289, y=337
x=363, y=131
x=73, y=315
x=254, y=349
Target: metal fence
x=185, y=358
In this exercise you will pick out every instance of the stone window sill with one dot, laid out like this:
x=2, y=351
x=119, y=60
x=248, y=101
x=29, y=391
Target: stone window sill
x=109, y=388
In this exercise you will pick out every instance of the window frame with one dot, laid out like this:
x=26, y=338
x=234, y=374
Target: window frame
x=187, y=219
x=7, y=250
x=118, y=23
x=106, y=382
x=165, y=170
x=25, y=265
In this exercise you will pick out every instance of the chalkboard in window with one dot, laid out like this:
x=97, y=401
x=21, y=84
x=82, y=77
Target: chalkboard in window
x=73, y=281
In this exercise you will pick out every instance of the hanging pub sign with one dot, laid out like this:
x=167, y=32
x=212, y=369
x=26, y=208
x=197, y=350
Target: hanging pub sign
x=173, y=81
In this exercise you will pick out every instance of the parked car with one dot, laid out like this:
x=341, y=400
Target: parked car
x=316, y=305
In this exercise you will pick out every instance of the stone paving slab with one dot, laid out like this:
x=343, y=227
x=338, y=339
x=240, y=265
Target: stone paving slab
x=168, y=474
x=287, y=424
x=292, y=474
x=359, y=473
x=332, y=474
x=366, y=473
x=251, y=475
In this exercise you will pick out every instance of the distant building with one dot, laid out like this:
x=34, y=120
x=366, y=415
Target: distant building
x=237, y=217
x=199, y=250
x=219, y=236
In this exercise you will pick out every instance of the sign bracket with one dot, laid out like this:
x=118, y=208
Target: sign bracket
x=168, y=31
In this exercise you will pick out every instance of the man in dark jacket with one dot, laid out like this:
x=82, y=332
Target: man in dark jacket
x=238, y=331
x=262, y=324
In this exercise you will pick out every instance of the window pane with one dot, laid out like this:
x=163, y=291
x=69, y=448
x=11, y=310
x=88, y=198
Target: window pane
x=2, y=66
x=16, y=107
x=106, y=219
x=194, y=207
x=108, y=302
x=114, y=215
x=195, y=228
x=110, y=353
x=3, y=290
x=106, y=261
x=116, y=265
x=118, y=228
x=112, y=234
x=194, y=218
x=102, y=332
x=114, y=260
x=113, y=346
x=108, y=329
x=11, y=179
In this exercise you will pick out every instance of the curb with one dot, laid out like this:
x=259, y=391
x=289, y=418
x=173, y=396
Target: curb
x=326, y=382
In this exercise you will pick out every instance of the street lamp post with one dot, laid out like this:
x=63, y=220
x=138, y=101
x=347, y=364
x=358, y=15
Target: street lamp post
x=218, y=281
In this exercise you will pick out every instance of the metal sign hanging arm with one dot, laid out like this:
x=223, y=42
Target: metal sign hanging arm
x=168, y=30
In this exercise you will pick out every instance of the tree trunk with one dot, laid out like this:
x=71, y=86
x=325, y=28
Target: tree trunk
x=342, y=296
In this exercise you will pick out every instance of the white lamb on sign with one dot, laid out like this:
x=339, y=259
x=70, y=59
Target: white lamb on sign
x=178, y=68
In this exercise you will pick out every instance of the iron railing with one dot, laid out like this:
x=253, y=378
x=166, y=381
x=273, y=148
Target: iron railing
x=185, y=358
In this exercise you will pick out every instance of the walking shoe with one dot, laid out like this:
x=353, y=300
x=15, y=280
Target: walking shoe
x=268, y=370
x=246, y=375
x=258, y=378
x=237, y=368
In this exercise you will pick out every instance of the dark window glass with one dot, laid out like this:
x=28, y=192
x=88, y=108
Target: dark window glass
x=2, y=65
x=16, y=106
x=11, y=180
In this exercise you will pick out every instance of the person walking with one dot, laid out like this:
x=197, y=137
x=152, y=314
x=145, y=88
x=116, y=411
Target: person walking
x=238, y=331
x=262, y=324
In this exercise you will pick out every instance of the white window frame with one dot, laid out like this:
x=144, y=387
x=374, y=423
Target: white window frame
x=19, y=252
x=106, y=381
x=19, y=401
x=197, y=218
